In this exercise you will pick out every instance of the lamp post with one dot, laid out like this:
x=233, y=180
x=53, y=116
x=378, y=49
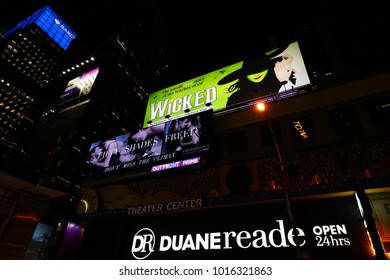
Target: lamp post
x=261, y=107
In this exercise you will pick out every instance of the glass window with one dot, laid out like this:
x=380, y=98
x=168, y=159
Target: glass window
x=343, y=119
x=266, y=135
x=238, y=142
x=379, y=110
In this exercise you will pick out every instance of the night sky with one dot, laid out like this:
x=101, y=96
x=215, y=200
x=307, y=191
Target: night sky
x=199, y=36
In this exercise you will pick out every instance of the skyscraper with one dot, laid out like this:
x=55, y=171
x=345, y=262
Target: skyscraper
x=84, y=95
x=30, y=55
x=331, y=131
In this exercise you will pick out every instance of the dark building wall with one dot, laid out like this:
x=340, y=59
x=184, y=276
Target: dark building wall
x=333, y=130
x=21, y=217
x=345, y=151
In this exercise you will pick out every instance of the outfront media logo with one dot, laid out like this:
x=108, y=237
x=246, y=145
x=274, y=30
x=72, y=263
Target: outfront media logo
x=143, y=243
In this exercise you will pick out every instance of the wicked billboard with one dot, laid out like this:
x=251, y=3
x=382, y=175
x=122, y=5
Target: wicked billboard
x=268, y=77
x=328, y=228
x=175, y=143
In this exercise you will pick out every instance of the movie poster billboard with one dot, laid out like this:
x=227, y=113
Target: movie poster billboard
x=175, y=143
x=268, y=77
x=79, y=86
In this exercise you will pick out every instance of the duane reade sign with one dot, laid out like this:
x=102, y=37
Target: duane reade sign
x=328, y=228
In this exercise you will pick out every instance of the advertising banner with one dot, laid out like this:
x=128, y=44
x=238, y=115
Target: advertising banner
x=328, y=228
x=175, y=143
x=79, y=86
x=268, y=77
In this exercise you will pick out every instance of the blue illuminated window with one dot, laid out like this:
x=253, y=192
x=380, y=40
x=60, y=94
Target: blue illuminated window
x=51, y=24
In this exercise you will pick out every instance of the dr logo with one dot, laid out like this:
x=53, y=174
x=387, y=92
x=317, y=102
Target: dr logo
x=143, y=243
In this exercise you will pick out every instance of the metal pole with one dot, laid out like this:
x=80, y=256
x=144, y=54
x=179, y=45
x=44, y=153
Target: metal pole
x=285, y=189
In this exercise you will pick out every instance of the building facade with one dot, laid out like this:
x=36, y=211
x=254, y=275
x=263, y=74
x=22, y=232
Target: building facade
x=312, y=170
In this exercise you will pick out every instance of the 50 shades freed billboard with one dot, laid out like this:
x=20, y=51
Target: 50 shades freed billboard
x=175, y=143
x=271, y=76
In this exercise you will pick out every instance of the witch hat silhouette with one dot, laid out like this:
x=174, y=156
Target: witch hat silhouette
x=255, y=79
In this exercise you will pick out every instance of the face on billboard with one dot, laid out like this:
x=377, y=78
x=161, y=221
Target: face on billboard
x=158, y=147
x=271, y=76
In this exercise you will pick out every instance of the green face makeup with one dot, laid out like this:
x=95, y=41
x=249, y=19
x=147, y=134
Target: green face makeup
x=257, y=77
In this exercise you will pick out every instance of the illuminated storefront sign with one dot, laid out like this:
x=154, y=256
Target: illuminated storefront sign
x=268, y=77
x=277, y=237
x=333, y=230
x=299, y=128
x=302, y=129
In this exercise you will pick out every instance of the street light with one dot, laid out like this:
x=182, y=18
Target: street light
x=261, y=107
